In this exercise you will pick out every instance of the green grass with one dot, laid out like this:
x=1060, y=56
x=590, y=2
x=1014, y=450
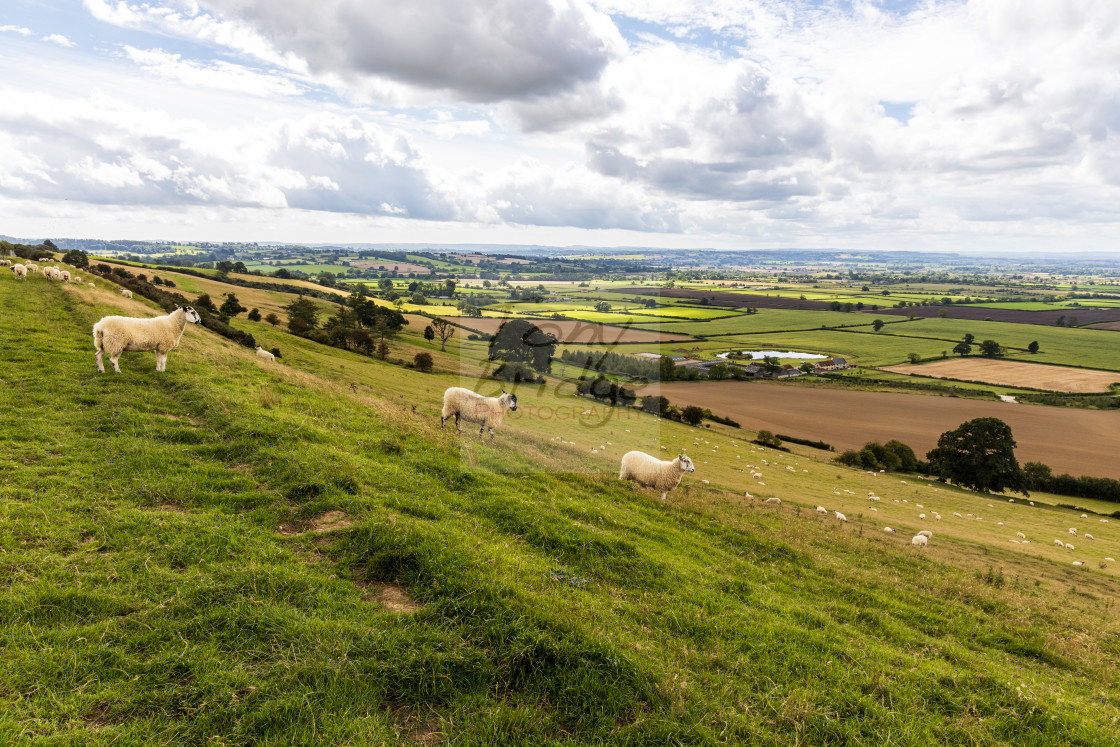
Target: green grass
x=157, y=586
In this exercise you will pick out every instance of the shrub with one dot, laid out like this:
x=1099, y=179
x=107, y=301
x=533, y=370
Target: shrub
x=766, y=438
x=255, y=315
x=423, y=362
x=692, y=415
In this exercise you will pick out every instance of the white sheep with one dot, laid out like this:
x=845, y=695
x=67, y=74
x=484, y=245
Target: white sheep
x=919, y=540
x=76, y=279
x=475, y=408
x=1088, y=536
x=262, y=353
x=1084, y=516
x=926, y=533
x=1059, y=543
x=1070, y=547
x=773, y=501
x=651, y=472
x=887, y=529
x=20, y=271
x=32, y=267
x=6, y=262
x=1020, y=535
x=114, y=335
x=1073, y=531
x=126, y=293
x=91, y=285
x=65, y=275
x=840, y=516
x=822, y=510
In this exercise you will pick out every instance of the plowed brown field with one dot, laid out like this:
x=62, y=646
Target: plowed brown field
x=1014, y=373
x=1078, y=442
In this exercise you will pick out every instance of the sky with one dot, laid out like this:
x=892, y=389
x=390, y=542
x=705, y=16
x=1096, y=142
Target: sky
x=962, y=125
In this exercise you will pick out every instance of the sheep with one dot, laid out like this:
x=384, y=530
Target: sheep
x=773, y=501
x=1084, y=516
x=76, y=279
x=921, y=516
x=113, y=335
x=957, y=515
x=65, y=275
x=472, y=407
x=262, y=353
x=822, y=510
x=1059, y=543
x=6, y=262
x=20, y=271
x=126, y=293
x=651, y=472
x=919, y=540
x=926, y=533
x=1111, y=560
x=91, y=285
x=32, y=267
x=840, y=516
x=1020, y=535
x=1070, y=547
x=1088, y=536
x=1072, y=531
x=887, y=529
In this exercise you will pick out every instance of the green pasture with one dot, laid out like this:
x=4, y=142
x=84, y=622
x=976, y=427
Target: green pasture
x=775, y=320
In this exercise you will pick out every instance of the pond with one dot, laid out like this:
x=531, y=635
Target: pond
x=760, y=354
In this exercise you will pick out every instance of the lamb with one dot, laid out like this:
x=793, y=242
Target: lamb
x=20, y=271
x=919, y=540
x=262, y=353
x=474, y=408
x=126, y=293
x=651, y=472
x=113, y=335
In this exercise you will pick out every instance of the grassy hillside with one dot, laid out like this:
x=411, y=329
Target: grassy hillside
x=234, y=552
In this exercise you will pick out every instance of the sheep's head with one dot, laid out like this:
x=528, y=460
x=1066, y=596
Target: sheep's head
x=192, y=315
x=512, y=401
x=686, y=464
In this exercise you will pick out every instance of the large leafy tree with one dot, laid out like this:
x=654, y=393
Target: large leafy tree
x=521, y=341
x=980, y=455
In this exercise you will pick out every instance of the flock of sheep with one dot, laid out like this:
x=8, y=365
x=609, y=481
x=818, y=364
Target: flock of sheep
x=113, y=335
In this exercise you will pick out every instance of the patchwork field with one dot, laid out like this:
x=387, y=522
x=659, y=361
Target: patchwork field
x=1014, y=373
x=1080, y=442
x=572, y=332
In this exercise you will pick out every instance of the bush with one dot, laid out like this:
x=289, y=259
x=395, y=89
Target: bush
x=276, y=352
x=423, y=362
x=255, y=315
x=766, y=438
x=517, y=371
x=692, y=415
x=805, y=442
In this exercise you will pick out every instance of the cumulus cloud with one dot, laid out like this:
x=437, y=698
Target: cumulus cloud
x=480, y=50
x=219, y=75
x=104, y=151
x=58, y=39
x=21, y=30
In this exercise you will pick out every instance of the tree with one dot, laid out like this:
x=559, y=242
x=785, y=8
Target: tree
x=913, y=357
x=418, y=299
x=254, y=315
x=444, y=329
x=602, y=306
x=969, y=339
x=962, y=349
x=76, y=258
x=692, y=415
x=1033, y=347
x=429, y=333
x=423, y=362
x=272, y=319
x=990, y=349
x=231, y=306
x=807, y=367
x=980, y=455
x=204, y=302
x=303, y=315
x=877, y=324
x=518, y=340
x=771, y=365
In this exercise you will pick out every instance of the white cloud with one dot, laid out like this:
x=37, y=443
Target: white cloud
x=58, y=39
x=22, y=31
x=219, y=75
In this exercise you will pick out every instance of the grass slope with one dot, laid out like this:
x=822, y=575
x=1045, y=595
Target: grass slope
x=219, y=554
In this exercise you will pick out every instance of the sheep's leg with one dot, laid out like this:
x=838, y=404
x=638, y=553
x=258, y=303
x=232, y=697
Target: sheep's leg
x=161, y=361
x=113, y=360
x=100, y=363
x=480, y=430
x=458, y=424
x=663, y=494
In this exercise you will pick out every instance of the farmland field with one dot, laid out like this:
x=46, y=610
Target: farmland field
x=575, y=332
x=1080, y=442
x=1014, y=373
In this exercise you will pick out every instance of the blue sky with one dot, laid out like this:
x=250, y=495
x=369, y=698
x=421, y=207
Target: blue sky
x=964, y=125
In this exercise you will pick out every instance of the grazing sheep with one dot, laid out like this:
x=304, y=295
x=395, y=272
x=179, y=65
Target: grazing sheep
x=1020, y=535
x=651, y=472
x=1072, y=531
x=1110, y=560
x=475, y=408
x=1070, y=547
x=926, y=533
x=887, y=529
x=91, y=285
x=114, y=335
x=1078, y=562
x=76, y=279
x=919, y=540
x=65, y=275
x=822, y=510
x=1059, y=543
x=20, y=271
x=1088, y=536
x=32, y=267
x=6, y=262
x=1084, y=516
x=126, y=293
x=262, y=353
x=773, y=501
x=840, y=516
x=957, y=515
x=921, y=516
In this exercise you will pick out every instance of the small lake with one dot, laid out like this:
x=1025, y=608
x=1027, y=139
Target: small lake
x=760, y=354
